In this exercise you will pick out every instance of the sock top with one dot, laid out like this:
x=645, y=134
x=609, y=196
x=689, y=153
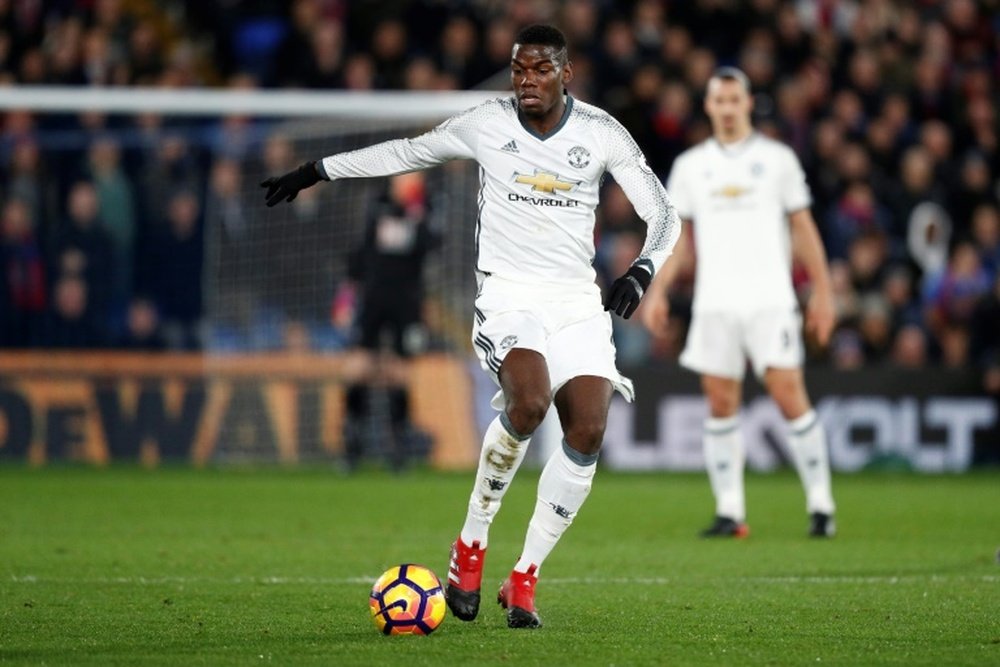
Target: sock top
x=802, y=424
x=579, y=457
x=505, y=422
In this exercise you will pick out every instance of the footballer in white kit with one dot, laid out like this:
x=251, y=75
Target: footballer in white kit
x=746, y=200
x=739, y=197
x=541, y=329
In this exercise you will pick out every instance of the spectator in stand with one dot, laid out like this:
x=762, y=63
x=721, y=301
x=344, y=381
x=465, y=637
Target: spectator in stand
x=857, y=213
x=389, y=50
x=950, y=298
x=986, y=236
x=84, y=248
x=142, y=327
x=172, y=271
x=25, y=180
x=974, y=187
x=296, y=57
x=22, y=277
x=909, y=348
x=671, y=120
x=326, y=68
x=898, y=290
x=169, y=163
x=70, y=322
x=232, y=267
x=117, y=206
x=875, y=327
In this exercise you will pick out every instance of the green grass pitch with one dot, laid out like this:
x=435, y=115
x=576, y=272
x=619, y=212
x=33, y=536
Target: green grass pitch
x=175, y=566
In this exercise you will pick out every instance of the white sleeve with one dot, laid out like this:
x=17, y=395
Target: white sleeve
x=628, y=166
x=795, y=193
x=453, y=139
x=677, y=189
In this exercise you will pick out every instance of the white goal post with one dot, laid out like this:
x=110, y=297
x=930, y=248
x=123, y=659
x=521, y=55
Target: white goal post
x=399, y=106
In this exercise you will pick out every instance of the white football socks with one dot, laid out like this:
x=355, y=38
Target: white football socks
x=501, y=456
x=724, y=459
x=562, y=488
x=807, y=443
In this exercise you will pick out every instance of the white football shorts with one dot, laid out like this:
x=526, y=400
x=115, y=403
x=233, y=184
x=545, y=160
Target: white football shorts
x=567, y=326
x=720, y=343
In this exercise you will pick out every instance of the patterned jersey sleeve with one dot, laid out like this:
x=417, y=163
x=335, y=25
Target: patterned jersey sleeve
x=453, y=139
x=630, y=170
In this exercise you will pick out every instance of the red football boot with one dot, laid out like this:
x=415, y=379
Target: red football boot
x=465, y=576
x=517, y=596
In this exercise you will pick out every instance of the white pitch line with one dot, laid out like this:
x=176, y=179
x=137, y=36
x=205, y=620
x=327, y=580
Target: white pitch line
x=590, y=581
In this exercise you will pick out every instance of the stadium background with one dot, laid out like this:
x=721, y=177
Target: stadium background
x=114, y=225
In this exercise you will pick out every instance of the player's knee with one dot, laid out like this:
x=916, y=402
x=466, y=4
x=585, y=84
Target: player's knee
x=586, y=436
x=789, y=394
x=722, y=404
x=526, y=413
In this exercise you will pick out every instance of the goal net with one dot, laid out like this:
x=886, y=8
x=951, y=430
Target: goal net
x=259, y=282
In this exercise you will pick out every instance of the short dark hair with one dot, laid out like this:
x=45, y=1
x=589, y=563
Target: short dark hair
x=729, y=73
x=541, y=34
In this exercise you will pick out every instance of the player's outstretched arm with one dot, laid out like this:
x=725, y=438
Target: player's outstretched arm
x=807, y=248
x=453, y=139
x=287, y=187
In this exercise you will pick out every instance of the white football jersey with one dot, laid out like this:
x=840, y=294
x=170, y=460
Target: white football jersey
x=738, y=199
x=537, y=193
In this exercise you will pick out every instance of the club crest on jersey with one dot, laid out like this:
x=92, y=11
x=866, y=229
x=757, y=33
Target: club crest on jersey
x=508, y=342
x=579, y=157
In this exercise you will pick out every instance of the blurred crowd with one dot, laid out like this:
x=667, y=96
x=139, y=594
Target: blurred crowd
x=891, y=105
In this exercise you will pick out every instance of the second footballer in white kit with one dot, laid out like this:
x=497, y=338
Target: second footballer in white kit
x=746, y=199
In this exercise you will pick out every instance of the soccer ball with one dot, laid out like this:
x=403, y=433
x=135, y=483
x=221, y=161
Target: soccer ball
x=407, y=600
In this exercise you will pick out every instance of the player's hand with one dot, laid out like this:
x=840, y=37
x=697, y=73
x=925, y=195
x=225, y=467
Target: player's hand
x=625, y=293
x=655, y=314
x=287, y=187
x=821, y=316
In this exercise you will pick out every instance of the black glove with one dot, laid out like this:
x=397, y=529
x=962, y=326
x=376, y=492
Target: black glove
x=287, y=187
x=623, y=297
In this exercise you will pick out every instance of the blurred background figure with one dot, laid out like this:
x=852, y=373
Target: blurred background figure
x=171, y=272
x=142, y=327
x=71, y=322
x=387, y=269
x=22, y=277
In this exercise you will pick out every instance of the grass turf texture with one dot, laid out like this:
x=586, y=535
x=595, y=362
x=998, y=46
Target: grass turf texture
x=176, y=566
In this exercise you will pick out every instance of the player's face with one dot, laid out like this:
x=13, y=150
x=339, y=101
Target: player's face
x=728, y=105
x=537, y=78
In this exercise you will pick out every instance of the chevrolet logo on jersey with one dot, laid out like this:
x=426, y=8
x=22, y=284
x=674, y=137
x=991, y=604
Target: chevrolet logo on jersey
x=545, y=182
